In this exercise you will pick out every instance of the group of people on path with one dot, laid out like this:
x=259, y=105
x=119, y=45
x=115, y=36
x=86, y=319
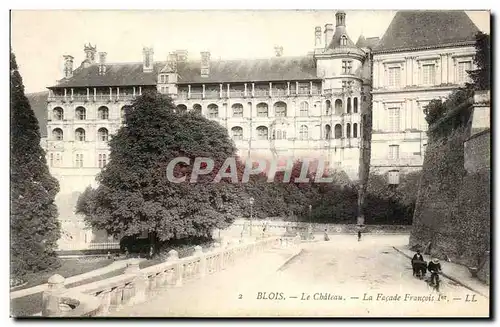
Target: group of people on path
x=420, y=267
x=327, y=238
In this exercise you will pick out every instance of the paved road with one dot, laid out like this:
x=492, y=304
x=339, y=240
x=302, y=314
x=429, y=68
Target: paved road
x=342, y=277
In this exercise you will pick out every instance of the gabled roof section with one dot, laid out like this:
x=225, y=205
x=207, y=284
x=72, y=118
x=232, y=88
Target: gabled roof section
x=427, y=29
x=221, y=71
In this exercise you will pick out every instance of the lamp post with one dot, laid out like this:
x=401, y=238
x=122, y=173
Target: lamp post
x=310, y=225
x=251, y=214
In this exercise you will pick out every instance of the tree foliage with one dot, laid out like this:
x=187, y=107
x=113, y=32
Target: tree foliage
x=34, y=226
x=481, y=76
x=134, y=194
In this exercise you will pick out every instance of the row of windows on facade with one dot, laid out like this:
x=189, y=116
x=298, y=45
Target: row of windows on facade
x=279, y=134
x=81, y=113
x=80, y=134
x=55, y=160
x=428, y=72
x=280, y=108
x=394, y=151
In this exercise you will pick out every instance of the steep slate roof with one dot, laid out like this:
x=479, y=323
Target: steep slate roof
x=38, y=102
x=422, y=29
x=119, y=74
x=335, y=42
x=369, y=42
x=253, y=70
x=222, y=71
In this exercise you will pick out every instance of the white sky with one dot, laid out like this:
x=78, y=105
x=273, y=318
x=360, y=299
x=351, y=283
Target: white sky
x=40, y=38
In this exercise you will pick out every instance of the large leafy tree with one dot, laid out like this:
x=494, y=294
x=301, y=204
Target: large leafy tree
x=34, y=226
x=134, y=194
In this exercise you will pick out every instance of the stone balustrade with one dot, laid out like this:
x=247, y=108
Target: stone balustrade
x=136, y=285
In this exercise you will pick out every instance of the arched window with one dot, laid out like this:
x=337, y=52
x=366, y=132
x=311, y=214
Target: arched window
x=58, y=113
x=348, y=130
x=80, y=134
x=197, y=108
x=237, y=110
x=262, y=133
x=213, y=111
x=237, y=133
x=262, y=110
x=328, y=107
x=328, y=132
x=280, y=109
x=181, y=108
x=355, y=130
x=343, y=40
x=57, y=134
x=123, y=113
x=304, y=108
x=338, y=107
x=103, y=113
x=103, y=134
x=303, y=132
x=355, y=105
x=348, y=105
x=338, y=131
x=80, y=113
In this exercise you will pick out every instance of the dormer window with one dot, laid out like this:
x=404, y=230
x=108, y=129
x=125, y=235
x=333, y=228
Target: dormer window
x=163, y=79
x=343, y=40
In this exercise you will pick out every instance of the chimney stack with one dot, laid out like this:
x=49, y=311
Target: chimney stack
x=181, y=55
x=328, y=34
x=90, y=52
x=102, y=63
x=147, y=59
x=172, y=62
x=68, y=66
x=278, y=50
x=317, y=36
x=205, y=64
x=340, y=17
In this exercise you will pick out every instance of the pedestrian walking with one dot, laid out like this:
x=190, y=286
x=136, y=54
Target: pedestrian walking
x=359, y=235
x=326, y=235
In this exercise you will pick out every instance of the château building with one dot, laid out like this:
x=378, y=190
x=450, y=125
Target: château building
x=312, y=106
x=423, y=55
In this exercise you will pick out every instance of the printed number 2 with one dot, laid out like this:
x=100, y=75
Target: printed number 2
x=240, y=297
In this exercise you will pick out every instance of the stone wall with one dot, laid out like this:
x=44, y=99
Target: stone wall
x=452, y=214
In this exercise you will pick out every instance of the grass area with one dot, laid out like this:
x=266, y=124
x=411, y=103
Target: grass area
x=68, y=268
x=32, y=304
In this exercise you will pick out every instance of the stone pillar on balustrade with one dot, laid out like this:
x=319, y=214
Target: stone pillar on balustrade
x=136, y=291
x=173, y=256
x=198, y=252
x=51, y=298
x=220, y=255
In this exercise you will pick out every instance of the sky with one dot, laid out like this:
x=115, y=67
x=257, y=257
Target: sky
x=40, y=38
